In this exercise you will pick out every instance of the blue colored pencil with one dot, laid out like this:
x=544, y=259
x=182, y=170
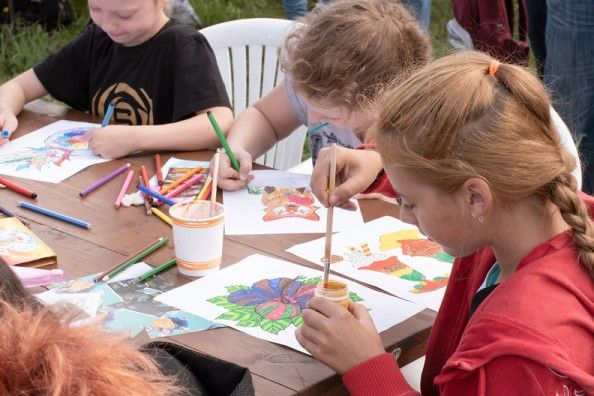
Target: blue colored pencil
x=54, y=214
x=152, y=193
x=5, y=134
x=108, y=114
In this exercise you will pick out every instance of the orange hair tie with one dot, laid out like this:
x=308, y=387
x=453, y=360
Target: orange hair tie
x=493, y=67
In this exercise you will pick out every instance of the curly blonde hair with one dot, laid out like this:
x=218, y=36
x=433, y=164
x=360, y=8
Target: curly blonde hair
x=454, y=119
x=42, y=354
x=349, y=50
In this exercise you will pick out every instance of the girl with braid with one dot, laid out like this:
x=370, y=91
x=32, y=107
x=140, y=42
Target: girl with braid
x=470, y=148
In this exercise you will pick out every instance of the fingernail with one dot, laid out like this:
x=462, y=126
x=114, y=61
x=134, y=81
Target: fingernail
x=5, y=134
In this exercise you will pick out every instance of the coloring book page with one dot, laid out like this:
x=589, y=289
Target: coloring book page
x=50, y=154
x=264, y=296
x=389, y=254
x=125, y=305
x=281, y=203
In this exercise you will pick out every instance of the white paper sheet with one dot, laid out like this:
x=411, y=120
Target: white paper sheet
x=271, y=309
x=50, y=154
x=290, y=211
x=404, y=262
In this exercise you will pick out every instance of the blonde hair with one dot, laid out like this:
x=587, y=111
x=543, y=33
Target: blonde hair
x=42, y=354
x=454, y=119
x=348, y=50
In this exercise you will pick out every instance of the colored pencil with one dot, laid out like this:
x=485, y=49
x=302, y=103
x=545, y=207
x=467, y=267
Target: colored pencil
x=205, y=190
x=156, y=270
x=329, y=216
x=154, y=194
x=132, y=260
x=108, y=114
x=223, y=140
x=6, y=212
x=124, y=189
x=158, y=170
x=104, y=180
x=317, y=128
x=54, y=214
x=184, y=186
x=18, y=189
x=147, y=203
x=5, y=134
x=161, y=215
x=179, y=181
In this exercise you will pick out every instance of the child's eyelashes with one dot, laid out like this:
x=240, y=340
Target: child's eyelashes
x=404, y=205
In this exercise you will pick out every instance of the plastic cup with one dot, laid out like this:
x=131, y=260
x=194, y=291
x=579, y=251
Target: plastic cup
x=198, y=228
x=335, y=291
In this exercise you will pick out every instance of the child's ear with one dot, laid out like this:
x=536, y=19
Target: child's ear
x=477, y=196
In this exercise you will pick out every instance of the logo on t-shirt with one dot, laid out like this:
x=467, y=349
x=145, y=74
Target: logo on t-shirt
x=132, y=106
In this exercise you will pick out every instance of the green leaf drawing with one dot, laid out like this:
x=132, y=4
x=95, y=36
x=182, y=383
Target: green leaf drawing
x=311, y=281
x=251, y=322
x=237, y=316
x=297, y=321
x=234, y=288
x=354, y=297
x=223, y=301
x=274, y=326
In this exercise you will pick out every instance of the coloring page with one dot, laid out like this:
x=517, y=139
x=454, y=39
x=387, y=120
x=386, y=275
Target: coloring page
x=389, y=254
x=281, y=203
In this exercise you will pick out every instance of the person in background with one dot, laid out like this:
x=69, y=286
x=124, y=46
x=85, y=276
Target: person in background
x=463, y=142
x=561, y=33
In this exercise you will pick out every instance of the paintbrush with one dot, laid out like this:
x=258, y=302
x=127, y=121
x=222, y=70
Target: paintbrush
x=330, y=216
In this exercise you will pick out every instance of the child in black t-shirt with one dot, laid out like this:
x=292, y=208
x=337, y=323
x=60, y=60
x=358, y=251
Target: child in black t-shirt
x=161, y=75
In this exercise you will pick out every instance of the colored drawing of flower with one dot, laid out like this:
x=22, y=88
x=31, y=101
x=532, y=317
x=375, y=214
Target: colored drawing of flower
x=271, y=304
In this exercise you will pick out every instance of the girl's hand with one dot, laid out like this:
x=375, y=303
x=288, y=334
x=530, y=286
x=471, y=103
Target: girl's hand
x=113, y=141
x=8, y=122
x=229, y=178
x=338, y=337
x=355, y=171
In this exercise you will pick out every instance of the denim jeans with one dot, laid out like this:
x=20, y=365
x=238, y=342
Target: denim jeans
x=568, y=65
x=295, y=8
x=421, y=9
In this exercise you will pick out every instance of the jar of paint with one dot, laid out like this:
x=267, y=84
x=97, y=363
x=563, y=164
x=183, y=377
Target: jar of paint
x=335, y=291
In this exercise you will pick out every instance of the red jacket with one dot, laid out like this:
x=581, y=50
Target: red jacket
x=533, y=335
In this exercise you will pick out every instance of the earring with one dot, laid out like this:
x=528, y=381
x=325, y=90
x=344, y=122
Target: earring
x=481, y=219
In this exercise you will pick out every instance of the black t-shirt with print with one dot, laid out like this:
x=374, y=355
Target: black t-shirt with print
x=167, y=78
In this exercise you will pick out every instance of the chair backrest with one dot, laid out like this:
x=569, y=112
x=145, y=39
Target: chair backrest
x=248, y=56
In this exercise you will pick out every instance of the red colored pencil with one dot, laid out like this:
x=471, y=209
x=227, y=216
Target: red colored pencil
x=16, y=188
x=158, y=171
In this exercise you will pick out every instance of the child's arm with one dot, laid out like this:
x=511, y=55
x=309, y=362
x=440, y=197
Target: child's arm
x=194, y=133
x=257, y=129
x=356, y=170
x=14, y=94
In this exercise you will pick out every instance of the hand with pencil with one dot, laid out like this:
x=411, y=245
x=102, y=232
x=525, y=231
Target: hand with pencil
x=113, y=141
x=8, y=123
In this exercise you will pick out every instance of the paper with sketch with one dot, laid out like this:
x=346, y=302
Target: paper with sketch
x=388, y=254
x=123, y=304
x=50, y=154
x=264, y=296
x=282, y=203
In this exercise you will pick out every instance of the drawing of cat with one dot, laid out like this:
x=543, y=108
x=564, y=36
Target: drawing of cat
x=282, y=202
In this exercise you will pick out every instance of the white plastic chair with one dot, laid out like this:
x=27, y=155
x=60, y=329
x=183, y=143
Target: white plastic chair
x=247, y=52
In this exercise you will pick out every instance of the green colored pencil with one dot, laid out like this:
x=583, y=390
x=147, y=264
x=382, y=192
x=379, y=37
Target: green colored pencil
x=158, y=243
x=156, y=270
x=223, y=140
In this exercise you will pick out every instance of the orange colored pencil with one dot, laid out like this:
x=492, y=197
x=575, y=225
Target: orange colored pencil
x=205, y=190
x=158, y=171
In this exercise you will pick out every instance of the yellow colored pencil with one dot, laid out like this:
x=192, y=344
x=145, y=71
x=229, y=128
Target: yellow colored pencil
x=205, y=188
x=161, y=215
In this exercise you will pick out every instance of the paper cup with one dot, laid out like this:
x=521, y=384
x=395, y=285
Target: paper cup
x=198, y=236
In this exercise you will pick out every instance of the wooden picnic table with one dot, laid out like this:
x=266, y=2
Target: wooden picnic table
x=116, y=233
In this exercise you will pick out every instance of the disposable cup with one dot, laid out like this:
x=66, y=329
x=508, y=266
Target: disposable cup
x=198, y=228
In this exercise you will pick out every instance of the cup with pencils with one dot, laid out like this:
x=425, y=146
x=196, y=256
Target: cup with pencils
x=198, y=228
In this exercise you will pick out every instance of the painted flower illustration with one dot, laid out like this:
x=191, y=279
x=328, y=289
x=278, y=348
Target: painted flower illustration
x=271, y=304
x=278, y=298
